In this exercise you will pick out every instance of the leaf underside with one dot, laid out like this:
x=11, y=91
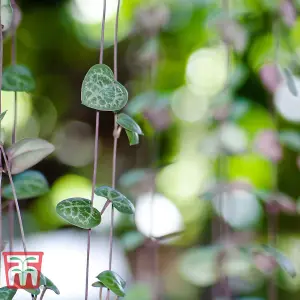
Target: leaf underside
x=113, y=282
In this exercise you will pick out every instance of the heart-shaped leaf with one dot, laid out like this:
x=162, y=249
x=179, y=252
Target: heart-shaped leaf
x=2, y=115
x=29, y=184
x=17, y=78
x=6, y=293
x=79, y=212
x=100, y=91
x=128, y=123
x=281, y=260
x=290, y=139
x=98, y=284
x=133, y=137
x=49, y=284
x=290, y=81
x=6, y=15
x=119, y=201
x=26, y=153
x=113, y=282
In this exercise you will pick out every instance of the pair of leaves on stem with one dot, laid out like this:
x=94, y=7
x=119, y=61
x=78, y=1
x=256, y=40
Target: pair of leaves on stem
x=8, y=294
x=101, y=91
x=79, y=211
x=112, y=281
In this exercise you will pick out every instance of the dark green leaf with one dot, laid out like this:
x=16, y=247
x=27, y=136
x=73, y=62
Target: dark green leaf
x=6, y=293
x=27, y=152
x=98, y=284
x=290, y=81
x=49, y=284
x=113, y=282
x=79, y=212
x=29, y=184
x=17, y=78
x=2, y=115
x=290, y=139
x=128, y=123
x=100, y=91
x=119, y=201
x=133, y=137
x=281, y=259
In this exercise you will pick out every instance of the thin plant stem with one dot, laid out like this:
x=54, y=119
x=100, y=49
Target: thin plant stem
x=15, y=199
x=11, y=224
x=116, y=135
x=1, y=67
x=100, y=293
x=96, y=151
x=43, y=293
x=273, y=218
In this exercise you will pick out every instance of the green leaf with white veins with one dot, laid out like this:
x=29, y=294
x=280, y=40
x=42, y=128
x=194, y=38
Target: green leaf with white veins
x=128, y=123
x=26, y=153
x=7, y=294
x=119, y=201
x=17, y=78
x=29, y=184
x=79, y=212
x=101, y=91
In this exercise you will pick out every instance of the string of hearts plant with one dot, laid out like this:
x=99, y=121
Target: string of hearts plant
x=102, y=92
x=17, y=159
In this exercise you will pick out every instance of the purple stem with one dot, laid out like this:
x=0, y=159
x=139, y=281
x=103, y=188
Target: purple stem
x=96, y=151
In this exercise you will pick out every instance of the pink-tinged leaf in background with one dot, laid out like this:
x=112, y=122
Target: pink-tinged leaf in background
x=270, y=77
x=288, y=12
x=267, y=144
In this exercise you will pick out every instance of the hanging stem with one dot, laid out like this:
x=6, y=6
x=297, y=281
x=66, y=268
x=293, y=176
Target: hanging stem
x=96, y=151
x=1, y=67
x=15, y=199
x=116, y=135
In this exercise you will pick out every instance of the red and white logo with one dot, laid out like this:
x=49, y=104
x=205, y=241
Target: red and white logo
x=22, y=270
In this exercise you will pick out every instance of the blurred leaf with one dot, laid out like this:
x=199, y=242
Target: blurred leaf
x=29, y=184
x=139, y=291
x=132, y=240
x=128, y=123
x=281, y=259
x=2, y=115
x=45, y=281
x=290, y=81
x=133, y=138
x=290, y=139
x=98, y=284
x=140, y=102
x=101, y=92
x=113, y=282
x=6, y=14
x=119, y=201
x=17, y=78
x=79, y=212
x=6, y=293
x=132, y=177
x=26, y=153
x=239, y=109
